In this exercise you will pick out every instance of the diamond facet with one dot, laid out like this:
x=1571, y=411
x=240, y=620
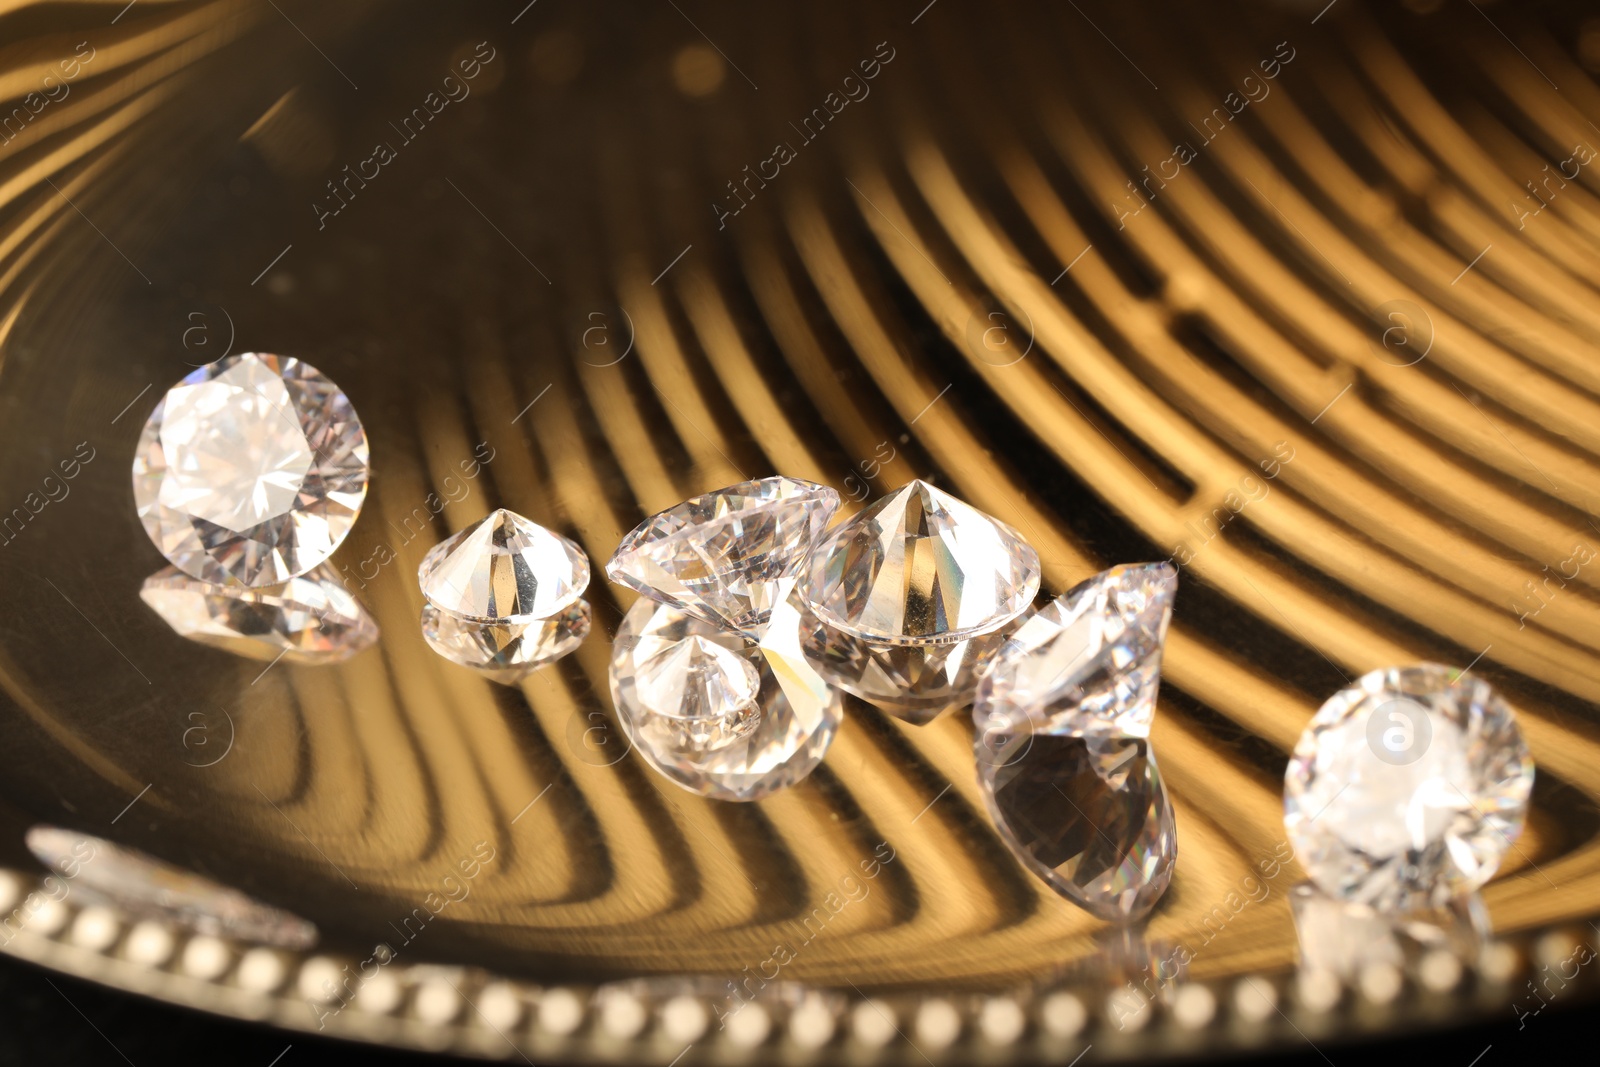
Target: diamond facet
x=1064, y=761
x=251, y=470
x=1089, y=662
x=1089, y=815
x=504, y=567
x=508, y=650
x=309, y=619
x=719, y=556
x=1407, y=788
x=745, y=753
x=921, y=567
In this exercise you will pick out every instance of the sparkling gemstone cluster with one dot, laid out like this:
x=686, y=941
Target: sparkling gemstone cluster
x=706, y=670
x=504, y=596
x=248, y=474
x=1063, y=719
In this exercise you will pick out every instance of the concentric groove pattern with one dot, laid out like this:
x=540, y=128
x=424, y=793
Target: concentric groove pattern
x=1335, y=359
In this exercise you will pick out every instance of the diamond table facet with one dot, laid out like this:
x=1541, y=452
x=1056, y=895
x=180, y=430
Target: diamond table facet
x=719, y=556
x=1408, y=788
x=504, y=567
x=311, y=619
x=251, y=470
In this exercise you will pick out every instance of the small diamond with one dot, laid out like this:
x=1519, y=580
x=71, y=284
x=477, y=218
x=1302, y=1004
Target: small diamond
x=921, y=567
x=504, y=567
x=905, y=603
x=508, y=650
x=1089, y=662
x=1063, y=717
x=251, y=470
x=719, y=556
x=746, y=754
x=1407, y=788
x=696, y=678
x=310, y=619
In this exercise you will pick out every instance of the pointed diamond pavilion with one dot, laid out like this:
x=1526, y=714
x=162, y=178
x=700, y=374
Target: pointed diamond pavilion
x=1090, y=816
x=921, y=567
x=696, y=678
x=720, y=556
x=504, y=567
x=1064, y=762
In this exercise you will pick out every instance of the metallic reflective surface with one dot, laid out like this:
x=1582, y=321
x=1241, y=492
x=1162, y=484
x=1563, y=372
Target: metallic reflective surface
x=1334, y=358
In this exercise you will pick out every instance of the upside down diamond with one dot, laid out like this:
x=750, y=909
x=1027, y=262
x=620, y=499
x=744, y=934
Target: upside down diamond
x=720, y=555
x=1064, y=760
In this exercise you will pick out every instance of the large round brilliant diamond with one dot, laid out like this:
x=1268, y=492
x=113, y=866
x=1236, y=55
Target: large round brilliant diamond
x=251, y=470
x=1408, y=788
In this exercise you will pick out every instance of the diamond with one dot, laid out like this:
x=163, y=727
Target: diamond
x=904, y=604
x=1407, y=788
x=504, y=567
x=508, y=650
x=251, y=470
x=1089, y=662
x=1063, y=714
x=746, y=753
x=920, y=566
x=310, y=619
x=719, y=556
x=696, y=678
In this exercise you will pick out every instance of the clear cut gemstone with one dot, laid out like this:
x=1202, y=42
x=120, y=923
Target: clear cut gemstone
x=251, y=470
x=719, y=556
x=1089, y=815
x=1063, y=717
x=506, y=650
x=503, y=567
x=1087, y=663
x=310, y=619
x=745, y=755
x=1407, y=788
x=920, y=567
